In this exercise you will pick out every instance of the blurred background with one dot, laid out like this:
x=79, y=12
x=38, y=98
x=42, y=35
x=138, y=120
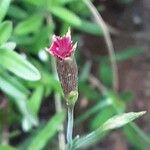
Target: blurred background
x=28, y=103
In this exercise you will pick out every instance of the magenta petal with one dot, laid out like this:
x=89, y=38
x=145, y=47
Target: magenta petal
x=61, y=47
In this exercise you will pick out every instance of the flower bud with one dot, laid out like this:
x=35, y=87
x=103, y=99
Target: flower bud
x=63, y=51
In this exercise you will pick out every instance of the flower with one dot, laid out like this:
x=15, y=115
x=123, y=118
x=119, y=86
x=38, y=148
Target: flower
x=63, y=50
x=62, y=47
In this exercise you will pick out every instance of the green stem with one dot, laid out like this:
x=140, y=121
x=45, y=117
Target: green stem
x=70, y=124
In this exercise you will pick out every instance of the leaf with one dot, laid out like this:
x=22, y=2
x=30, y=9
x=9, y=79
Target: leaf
x=120, y=120
x=111, y=101
x=102, y=116
x=112, y=123
x=66, y=15
x=67, y=1
x=84, y=75
x=37, y=2
x=5, y=31
x=17, y=12
x=41, y=39
x=129, y=53
x=87, y=90
x=28, y=120
x=89, y=27
x=11, y=86
x=7, y=147
x=47, y=132
x=105, y=73
x=116, y=101
x=136, y=136
x=9, y=45
x=34, y=102
x=96, y=108
x=18, y=65
x=4, y=5
x=126, y=54
x=22, y=40
x=46, y=4
x=29, y=25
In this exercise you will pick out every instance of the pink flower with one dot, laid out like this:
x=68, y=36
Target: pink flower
x=62, y=47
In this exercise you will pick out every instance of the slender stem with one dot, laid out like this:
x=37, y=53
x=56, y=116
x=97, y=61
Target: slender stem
x=108, y=40
x=70, y=124
x=97, y=83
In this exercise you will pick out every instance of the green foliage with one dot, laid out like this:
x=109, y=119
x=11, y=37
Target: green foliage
x=5, y=31
x=92, y=110
x=4, y=5
x=39, y=141
x=102, y=116
x=6, y=147
x=35, y=100
x=30, y=25
x=85, y=72
x=66, y=15
x=18, y=65
x=112, y=123
x=129, y=53
x=90, y=27
x=136, y=136
x=16, y=12
x=26, y=29
x=12, y=86
x=105, y=73
x=120, y=120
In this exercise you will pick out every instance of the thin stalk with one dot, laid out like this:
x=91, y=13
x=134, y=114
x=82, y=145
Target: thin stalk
x=70, y=124
x=108, y=40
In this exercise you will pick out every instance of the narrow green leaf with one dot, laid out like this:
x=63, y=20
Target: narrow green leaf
x=66, y=15
x=47, y=132
x=5, y=31
x=105, y=73
x=23, y=39
x=120, y=120
x=96, y=108
x=16, y=12
x=19, y=93
x=129, y=53
x=116, y=101
x=67, y=1
x=11, y=86
x=4, y=5
x=136, y=136
x=101, y=117
x=28, y=120
x=89, y=27
x=7, y=147
x=87, y=90
x=41, y=39
x=112, y=123
x=34, y=102
x=37, y=2
x=18, y=65
x=126, y=54
x=29, y=25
